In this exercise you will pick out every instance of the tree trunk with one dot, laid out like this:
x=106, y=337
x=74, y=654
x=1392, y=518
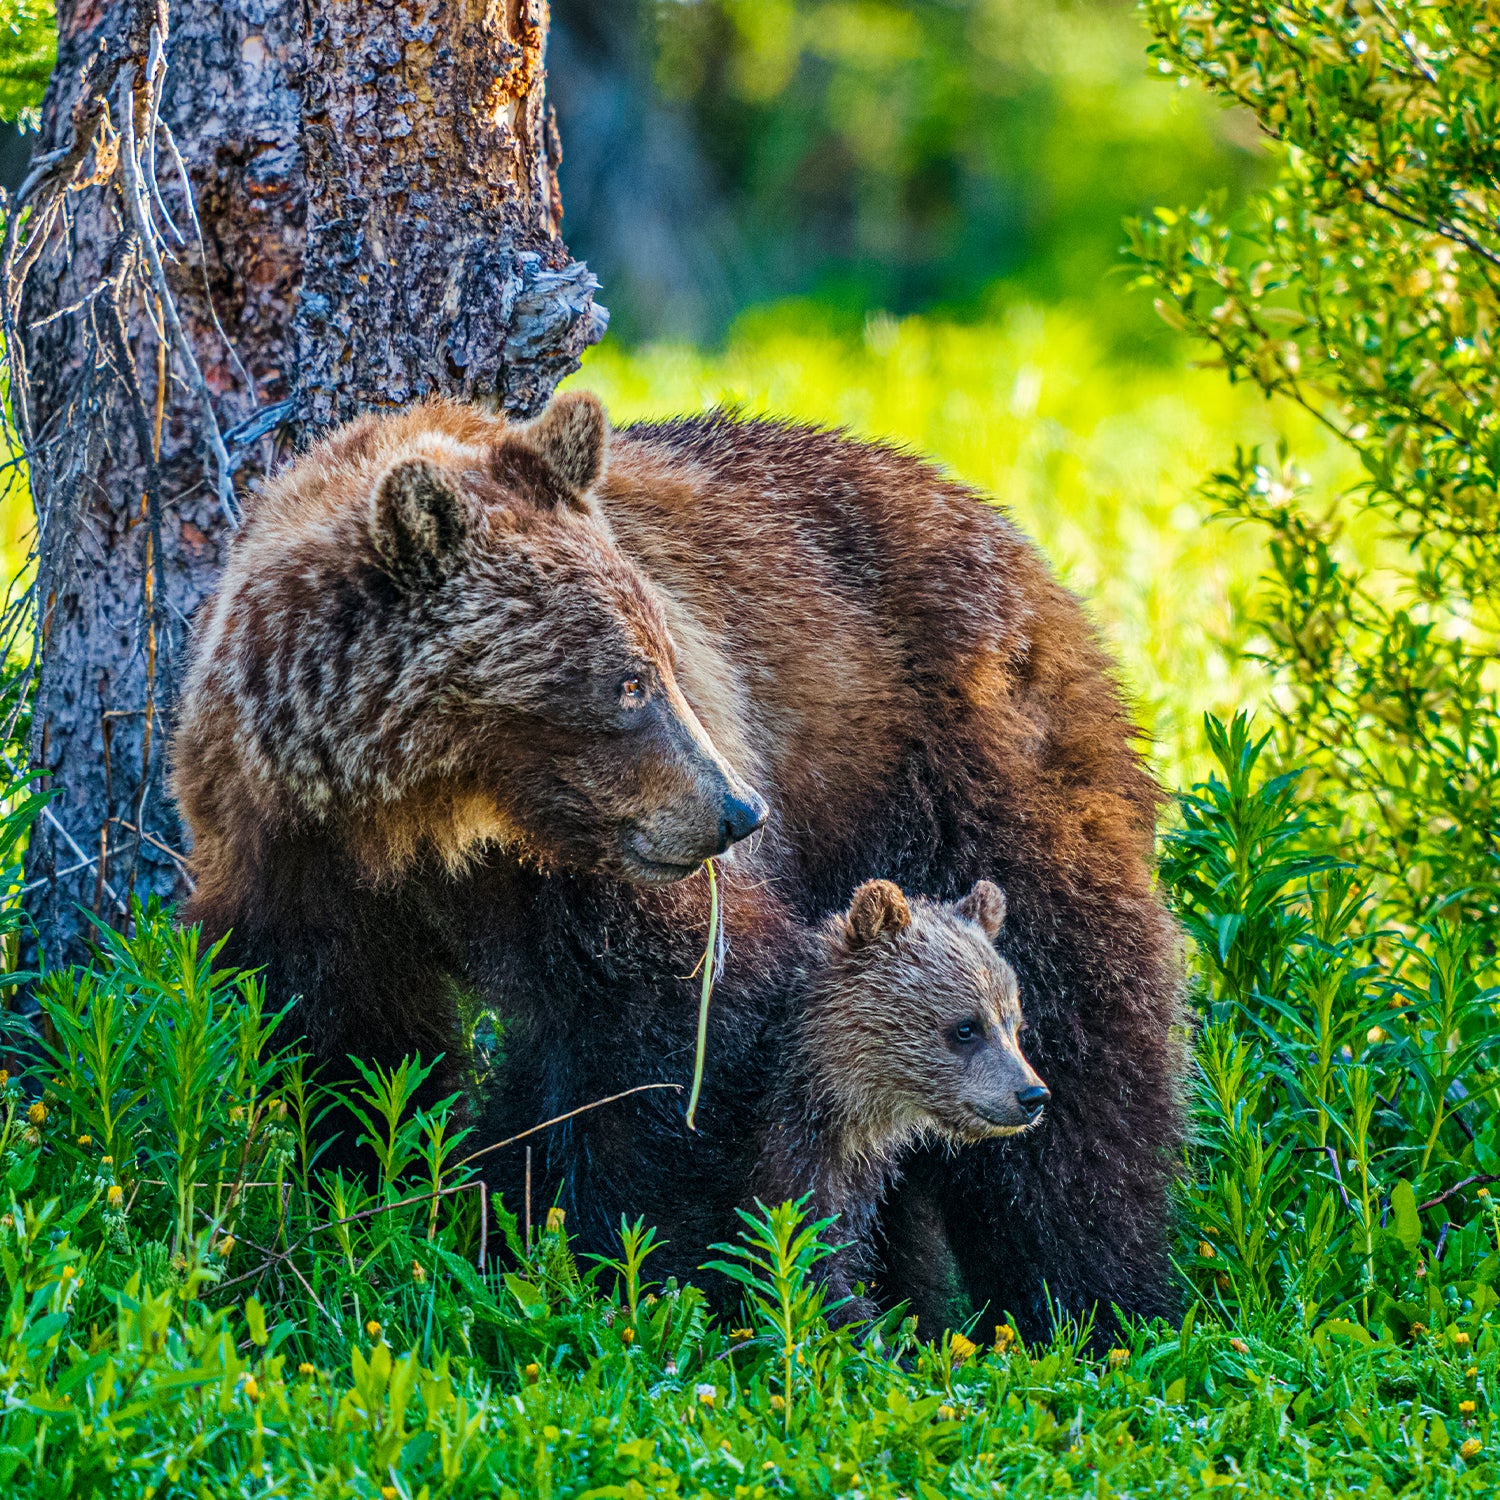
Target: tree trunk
x=376, y=188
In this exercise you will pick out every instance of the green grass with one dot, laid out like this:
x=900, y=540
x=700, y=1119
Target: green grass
x=1099, y=457
x=190, y=1307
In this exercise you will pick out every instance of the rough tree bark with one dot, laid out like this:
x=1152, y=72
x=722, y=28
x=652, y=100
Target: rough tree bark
x=376, y=188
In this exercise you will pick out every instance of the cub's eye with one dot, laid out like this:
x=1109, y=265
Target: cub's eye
x=965, y=1033
x=632, y=692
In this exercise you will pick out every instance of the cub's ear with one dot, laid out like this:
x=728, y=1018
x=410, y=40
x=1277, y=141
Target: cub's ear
x=878, y=909
x=985, y=907
x=418, y=521
x=572, y=435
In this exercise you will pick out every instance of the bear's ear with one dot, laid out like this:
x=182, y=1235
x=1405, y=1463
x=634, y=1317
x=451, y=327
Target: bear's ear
x=418, y=521
x=572, y=435
x=985, y=907
x=877, y=909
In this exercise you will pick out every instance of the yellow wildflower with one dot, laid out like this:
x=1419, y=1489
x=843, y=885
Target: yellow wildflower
x=4, y=1077
x=1460, y=1338
x=1239, y=1346
x=1005, y=1336
x=778, y=1403
x=739, y=1335
x=1205, y=1250
x=305, y=1369
x=388, y=1492
x=1466, y=1408
x=555, y=1219
x=373, y=1328
x=1375, y=1035
x=225, y=1247
x=946, y=1413
x=706, y=1394
x=37, y=1114
x=533, y=1373
x=85, y=1140
x=419, y=1273
x=627, y=1335
x=1472, y=1371
x=964, y=1348
x=115, y=1195
x=1119, y=1358
x=1471, y=1448
x=252, y=1391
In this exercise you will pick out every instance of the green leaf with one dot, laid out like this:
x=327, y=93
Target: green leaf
x=1404, y=1215
x=255, y=1316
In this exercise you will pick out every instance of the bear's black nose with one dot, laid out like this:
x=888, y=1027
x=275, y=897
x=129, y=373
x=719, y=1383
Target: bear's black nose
x=740, y=818
x=1032, y=1099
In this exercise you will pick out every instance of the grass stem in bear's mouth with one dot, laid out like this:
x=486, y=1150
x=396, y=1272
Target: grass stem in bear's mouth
x=710, y=973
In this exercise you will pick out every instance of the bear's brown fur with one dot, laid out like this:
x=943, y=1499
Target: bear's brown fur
x=906, y=1027
x=401, y=773
x=358, y=723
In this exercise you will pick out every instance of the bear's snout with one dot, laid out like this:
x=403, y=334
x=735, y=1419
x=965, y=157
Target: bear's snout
x=742, y=816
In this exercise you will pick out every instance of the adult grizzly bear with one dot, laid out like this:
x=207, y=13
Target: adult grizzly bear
x=471, y=702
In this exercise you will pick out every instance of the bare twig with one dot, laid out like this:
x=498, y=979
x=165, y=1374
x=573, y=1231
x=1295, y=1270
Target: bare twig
x=484, y=1221
x=85, y=859
x=134, y=205
x=640, y=1088
x=1458, y=1187
x=1338, y=1176
x=442, y=1192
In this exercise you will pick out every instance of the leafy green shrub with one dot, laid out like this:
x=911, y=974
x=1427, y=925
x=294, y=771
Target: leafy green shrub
x=1366, y=287
x=1348, y=1127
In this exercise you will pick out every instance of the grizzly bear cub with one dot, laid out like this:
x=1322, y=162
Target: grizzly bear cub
x=906, y=1027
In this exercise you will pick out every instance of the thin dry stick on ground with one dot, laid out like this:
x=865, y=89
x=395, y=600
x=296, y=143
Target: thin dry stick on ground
x=443, y=1192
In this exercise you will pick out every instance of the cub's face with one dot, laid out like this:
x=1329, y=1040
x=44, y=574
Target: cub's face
x=933, y=1015
x=541, y=670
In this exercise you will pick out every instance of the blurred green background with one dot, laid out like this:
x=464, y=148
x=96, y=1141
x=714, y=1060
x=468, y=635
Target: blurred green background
x=906, y=218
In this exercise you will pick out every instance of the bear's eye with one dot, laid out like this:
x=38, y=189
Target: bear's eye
x=965, y=1033
x=633, y=692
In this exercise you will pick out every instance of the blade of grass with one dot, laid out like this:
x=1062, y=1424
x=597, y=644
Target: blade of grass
x=710, y=973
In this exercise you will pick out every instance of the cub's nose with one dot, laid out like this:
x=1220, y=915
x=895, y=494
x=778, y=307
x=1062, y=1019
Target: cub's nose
x=740, y=818
x=1033, y=1098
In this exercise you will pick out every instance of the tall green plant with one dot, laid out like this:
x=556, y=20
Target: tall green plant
x=1365, y=285
x=1346, y=1115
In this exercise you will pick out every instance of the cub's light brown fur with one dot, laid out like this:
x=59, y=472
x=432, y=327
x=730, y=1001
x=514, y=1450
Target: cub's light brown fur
x=906, y=1026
